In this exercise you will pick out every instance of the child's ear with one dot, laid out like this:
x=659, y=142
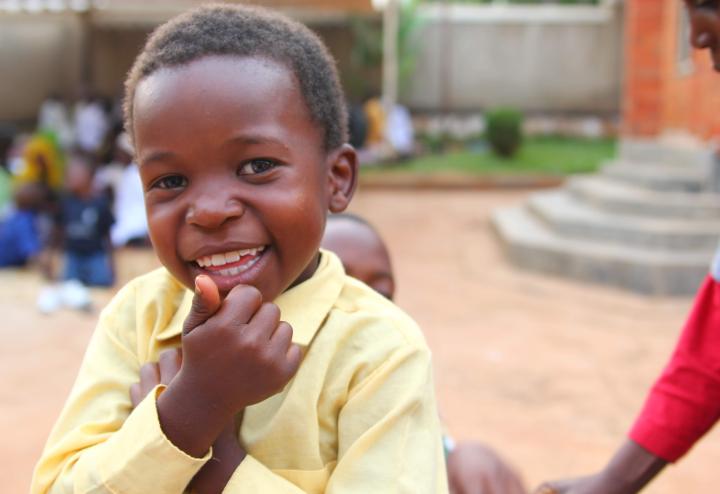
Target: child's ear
x=342, y=177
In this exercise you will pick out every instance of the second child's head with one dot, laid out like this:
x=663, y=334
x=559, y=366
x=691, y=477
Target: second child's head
x=239, y=128
x=362, y=251
x=79, y=174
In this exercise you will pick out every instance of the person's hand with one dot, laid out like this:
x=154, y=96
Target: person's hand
x=227, y=452
x=476, y=469
x=236, y=352
x=154, y=373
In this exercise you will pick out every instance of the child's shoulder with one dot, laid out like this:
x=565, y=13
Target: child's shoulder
x=365, y=311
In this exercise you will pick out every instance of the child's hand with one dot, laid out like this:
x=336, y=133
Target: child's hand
x=474, y=469
x=154, y=373
x=236, y=352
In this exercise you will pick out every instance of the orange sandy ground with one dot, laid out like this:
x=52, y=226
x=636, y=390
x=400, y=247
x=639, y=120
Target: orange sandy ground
x=550, y=372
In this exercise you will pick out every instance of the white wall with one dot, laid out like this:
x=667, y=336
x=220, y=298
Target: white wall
x=38, y=54
x=537, y=58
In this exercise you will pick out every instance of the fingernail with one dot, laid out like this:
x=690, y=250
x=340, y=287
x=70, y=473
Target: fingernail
x=198, y=290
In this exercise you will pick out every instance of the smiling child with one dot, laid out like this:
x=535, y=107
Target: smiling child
x=293, y=377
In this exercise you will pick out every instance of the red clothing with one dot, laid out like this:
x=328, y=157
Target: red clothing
x=684, y=403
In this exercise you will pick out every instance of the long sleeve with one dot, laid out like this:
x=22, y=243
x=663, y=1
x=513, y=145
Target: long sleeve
x=97, y=445
x=684, y=403
x=389, y=437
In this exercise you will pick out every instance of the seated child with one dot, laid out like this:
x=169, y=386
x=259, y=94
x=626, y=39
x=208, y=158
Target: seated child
x=19, y=237
x=83, y=223
x=471, y=466
x=239, y=128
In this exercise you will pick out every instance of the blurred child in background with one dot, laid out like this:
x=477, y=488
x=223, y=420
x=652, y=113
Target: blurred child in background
x=82, y=225
x=84, y=220
x=19, y=237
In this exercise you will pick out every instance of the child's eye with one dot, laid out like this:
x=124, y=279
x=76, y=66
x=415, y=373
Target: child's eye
x=257, y=166
x=170, y=182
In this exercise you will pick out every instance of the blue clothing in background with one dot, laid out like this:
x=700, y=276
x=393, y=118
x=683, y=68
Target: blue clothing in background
x=91, y=270
x=19, y=239
x=86, y=225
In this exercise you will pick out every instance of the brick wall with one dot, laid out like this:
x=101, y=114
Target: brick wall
x=661, y=92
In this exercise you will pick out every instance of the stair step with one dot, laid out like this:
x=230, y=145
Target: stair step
x=611, y=195
x=668, y=150
x=531, y=245
x=567, y=216
x=658, y=177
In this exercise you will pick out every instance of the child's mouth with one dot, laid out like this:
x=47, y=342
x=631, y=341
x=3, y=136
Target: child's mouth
x=231, y=263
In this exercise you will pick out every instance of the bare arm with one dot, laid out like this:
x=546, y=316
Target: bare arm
x=630, y=469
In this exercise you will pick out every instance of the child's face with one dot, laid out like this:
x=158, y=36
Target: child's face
x=237, y=182
x=78, y=177
x=362, y=253
x=705, y=22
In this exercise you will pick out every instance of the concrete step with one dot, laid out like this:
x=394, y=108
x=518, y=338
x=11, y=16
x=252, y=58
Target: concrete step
x=658, y=176
x=567, y=216
x=529, y=244
x=669, y=150
x=611, y=195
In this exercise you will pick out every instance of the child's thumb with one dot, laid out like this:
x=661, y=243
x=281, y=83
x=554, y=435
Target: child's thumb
x=205, y=303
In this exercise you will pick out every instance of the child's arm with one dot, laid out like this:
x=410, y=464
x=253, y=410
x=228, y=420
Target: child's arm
x=98, y=446
x=683, y=405
x=630, y=469
x=227, y=452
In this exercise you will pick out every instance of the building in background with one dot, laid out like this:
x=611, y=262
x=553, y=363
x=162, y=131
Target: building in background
x=59, y=46
x=669, y=88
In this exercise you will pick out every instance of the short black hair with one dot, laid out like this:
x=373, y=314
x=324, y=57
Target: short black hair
x=243, y=31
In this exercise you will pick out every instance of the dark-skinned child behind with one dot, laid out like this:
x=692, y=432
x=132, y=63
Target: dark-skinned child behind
x=684, y=402
x=294, y=377
x=472, y=466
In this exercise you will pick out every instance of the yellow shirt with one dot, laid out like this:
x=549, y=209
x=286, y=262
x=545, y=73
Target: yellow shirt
x=358, y=417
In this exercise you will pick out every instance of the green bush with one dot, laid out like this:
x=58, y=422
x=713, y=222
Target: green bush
x=504, y=130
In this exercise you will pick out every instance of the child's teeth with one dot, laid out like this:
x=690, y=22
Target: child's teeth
x=228, y=257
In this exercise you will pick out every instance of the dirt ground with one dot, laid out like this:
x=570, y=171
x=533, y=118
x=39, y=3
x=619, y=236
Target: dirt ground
x=550, y=372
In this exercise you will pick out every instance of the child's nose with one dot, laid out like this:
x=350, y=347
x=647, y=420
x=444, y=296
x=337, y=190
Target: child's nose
x=213, y=210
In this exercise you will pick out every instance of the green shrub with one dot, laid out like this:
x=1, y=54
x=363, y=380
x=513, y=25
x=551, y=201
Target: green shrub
x=504, y=130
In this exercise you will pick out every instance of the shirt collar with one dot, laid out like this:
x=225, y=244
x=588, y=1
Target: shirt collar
x=304, y=306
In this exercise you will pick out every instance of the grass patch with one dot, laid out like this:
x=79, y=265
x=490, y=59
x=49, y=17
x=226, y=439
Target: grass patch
x=537, y=156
